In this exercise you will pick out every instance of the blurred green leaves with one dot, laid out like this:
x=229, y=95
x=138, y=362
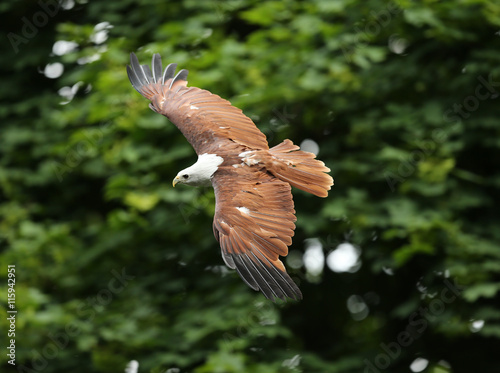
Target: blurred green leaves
x=388, y=91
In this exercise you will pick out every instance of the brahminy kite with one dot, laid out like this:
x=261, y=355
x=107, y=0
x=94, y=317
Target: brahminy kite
x=254, y=211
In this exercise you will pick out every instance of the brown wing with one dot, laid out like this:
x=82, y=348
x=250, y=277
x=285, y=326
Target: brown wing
x=201, y=116
x=254, y=223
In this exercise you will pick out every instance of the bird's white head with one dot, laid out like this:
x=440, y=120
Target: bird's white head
x=199, y=174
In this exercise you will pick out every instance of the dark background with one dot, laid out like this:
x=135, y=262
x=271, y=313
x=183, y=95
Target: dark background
x=114, y=265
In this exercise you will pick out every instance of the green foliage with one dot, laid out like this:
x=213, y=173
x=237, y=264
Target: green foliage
x=113, y=265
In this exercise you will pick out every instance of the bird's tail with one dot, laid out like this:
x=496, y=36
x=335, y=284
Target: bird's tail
x=300, y=169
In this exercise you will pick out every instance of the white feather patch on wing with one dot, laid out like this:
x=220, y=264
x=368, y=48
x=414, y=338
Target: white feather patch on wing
x=244, y=154
x=244, y=210
x=250, y=161
x=249, y=158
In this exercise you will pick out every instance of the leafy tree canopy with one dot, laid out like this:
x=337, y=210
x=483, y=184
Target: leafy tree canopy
x=399, y=266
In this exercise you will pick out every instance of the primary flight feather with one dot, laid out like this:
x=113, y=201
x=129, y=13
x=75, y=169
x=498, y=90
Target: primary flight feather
x=254, y=212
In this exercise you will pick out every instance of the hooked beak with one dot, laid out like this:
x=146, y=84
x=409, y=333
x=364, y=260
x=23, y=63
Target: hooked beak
x=175, y=181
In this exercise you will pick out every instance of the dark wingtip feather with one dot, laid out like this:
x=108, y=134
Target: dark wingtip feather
x=169, y=72
x=244, y=272
x=142, y=75
x=181, y=75
x=132, y=76
x=147, y=73
x=273, y=283
x=156, y=67
x=137, y=69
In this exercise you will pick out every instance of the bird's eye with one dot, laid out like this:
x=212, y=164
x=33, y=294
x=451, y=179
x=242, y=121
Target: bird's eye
x=185, y=176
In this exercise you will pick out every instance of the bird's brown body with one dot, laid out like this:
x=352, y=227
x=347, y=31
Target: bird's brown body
x=254, y=215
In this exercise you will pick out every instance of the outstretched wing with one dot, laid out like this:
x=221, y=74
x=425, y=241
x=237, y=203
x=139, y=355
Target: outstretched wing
x=254, y=224
x=201, y=116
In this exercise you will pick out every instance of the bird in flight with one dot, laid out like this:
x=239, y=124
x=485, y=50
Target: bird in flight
x=254, y=212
